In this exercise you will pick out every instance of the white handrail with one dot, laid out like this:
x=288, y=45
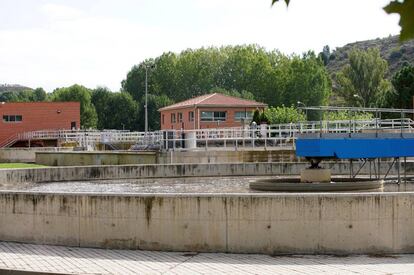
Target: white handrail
x=277, y=134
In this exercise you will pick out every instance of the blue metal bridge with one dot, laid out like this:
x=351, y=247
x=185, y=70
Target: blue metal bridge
x=355, y=146
x=364, y=146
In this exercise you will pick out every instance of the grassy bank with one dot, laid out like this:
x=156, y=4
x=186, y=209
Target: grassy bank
x=19, y=165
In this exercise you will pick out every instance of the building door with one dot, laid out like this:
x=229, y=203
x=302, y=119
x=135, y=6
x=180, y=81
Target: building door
x=73, y=125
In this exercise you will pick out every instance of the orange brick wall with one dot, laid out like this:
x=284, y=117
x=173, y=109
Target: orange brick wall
x=38, y=116
x=187, y=125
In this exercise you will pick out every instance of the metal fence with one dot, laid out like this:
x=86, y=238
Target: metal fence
x=262, y=136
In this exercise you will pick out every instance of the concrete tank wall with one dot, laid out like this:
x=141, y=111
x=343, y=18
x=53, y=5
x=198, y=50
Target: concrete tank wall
x=221, y=156
x=27, y=154
x=78, y=173
x=237, y=223
x=131, y=157
x=95, y=158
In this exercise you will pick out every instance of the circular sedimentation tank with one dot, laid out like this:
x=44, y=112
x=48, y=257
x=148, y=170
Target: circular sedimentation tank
x=335, y=185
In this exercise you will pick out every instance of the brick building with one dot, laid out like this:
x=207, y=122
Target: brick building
x=21, y=117
x=208, y=111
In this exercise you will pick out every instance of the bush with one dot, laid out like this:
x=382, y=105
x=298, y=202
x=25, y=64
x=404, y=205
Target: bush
x=345, y=115
x=280, y=115
x=395, y=54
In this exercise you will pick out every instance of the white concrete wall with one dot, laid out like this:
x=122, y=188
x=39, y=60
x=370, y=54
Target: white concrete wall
x=240, y=223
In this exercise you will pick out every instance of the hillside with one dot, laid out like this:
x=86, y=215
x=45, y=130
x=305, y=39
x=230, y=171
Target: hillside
x=391, y=50
x=13, y=88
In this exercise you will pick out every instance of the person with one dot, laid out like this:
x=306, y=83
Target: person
x=253, y=127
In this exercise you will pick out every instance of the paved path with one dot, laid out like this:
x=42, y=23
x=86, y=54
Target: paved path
x=69, y=260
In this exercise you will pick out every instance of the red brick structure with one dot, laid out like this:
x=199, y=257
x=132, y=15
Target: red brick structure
x=208, y=111
x=23, y=117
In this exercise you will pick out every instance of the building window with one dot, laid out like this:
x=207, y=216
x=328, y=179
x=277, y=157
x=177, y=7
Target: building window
x=173, y=118
x=213, y=116
x=180, y=117
x=246, y=116
x=12, y=118
x=163, y=116
x=191, y=116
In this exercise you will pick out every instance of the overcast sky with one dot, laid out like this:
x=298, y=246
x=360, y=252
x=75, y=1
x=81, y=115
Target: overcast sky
x=49, y=44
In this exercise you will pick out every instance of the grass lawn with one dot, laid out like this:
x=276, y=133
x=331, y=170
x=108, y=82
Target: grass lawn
x=19, y=165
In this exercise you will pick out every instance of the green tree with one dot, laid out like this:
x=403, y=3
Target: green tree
x=325, y=55
x=134, y=84
x=26, y=95
x=122, y=112
x=263, y=118
x=9, y=97
x=243, y=94
x=256, y=116
x=100, y=99
x=362, y=82
x=247, y=71
x=115, y=110
x=246, y=68
x=155, y=102
x=306, y=80
x=80, y=94
x=39, y=94
x=344, y=115
x=403, y=82
x=280, y=115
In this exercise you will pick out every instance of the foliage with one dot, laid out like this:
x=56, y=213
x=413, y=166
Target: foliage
x=405, y=10
x=125, y=116
x=27, y=95
x=256, y=116
x=13, y=96
x=344, y=115
x=39, y=94
x=100, y=100
x=325, y=55
x=243, y=94
x=155, y=102
x=244, y=71
x=115, y=110
x=264, y=119
x=402, y=7
x=362, y=82
x=280, y=115
x=391, y=49
x=403, y=82
x=307, y=81
x=80, y=94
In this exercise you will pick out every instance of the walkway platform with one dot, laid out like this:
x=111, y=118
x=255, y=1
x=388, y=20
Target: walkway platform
x=44, y=259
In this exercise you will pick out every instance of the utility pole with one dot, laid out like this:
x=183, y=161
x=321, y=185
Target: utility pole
x=146, y=100
x=147, y=66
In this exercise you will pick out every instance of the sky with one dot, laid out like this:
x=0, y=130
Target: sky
x=57, y=43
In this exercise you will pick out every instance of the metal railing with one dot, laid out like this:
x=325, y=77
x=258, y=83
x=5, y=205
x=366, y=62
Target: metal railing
x=280, y=135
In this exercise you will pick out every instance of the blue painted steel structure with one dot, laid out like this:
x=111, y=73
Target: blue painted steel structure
x=331, y=146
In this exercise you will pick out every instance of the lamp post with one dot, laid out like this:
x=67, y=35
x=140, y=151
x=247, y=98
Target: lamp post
x=299, y=103
x=147, y=66
x=306, y=111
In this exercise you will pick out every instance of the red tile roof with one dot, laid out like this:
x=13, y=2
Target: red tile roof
x=214, y=100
